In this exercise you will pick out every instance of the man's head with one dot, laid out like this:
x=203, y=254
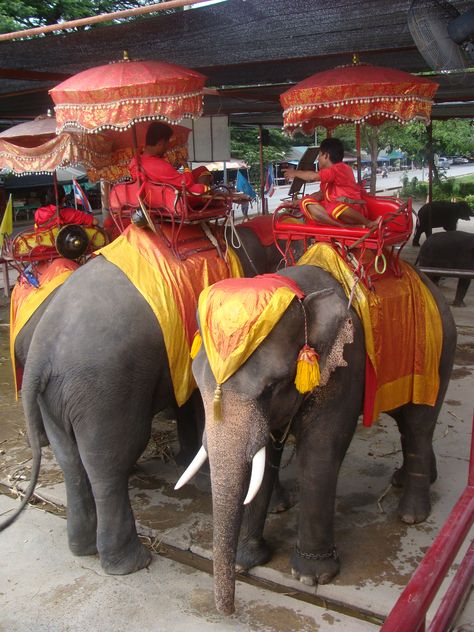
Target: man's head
x=157, y=138
x=331, y=151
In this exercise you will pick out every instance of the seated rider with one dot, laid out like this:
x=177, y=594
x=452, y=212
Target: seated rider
x=339, y=199
x=46, y=216
x=152, y=166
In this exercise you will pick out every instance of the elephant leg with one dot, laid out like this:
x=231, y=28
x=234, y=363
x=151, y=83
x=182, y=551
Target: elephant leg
x=109, y=452
x=398, y=477
x=190, y=424
x=416, y=236
x=120, y=550
x=81, y=510
x=419, y=462
x=252, y=549
x=320, y=454
x=462, y=288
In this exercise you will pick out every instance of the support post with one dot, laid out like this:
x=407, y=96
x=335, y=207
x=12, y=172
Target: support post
x=262, y=171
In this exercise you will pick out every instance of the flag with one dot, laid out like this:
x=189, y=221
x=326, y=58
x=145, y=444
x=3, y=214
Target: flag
x=80, y=197
x=6, y=227
x=243, y=185
x=269, y=182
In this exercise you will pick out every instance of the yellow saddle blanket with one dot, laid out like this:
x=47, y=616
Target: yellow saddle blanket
x=171, y=287
x=403, y=333
x=26, y=299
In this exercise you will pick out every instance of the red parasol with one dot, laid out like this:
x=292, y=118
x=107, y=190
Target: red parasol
x=31, y=133
x=119, y=95
x=358, y=93
x=27, y=148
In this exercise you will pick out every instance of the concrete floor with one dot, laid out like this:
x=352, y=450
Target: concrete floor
x=42, y=587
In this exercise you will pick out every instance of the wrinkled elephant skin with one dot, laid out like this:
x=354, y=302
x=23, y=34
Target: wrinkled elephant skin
x=261, y=398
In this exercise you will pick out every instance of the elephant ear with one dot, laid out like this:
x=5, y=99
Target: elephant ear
x=330, y=328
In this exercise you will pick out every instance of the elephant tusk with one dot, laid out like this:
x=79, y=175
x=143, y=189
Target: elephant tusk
x=192, y=468
x=256, y=478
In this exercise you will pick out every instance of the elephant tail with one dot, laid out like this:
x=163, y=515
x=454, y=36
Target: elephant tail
x=35, y=426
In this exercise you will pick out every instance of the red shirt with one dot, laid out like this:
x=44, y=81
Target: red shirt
x=337, y=181
x=159, y=170
x=45, y=216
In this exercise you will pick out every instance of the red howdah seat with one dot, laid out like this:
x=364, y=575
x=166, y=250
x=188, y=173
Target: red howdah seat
x=394, y=229
x=166, y=203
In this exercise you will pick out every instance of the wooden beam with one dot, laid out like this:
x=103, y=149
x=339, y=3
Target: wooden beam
x=31, y=75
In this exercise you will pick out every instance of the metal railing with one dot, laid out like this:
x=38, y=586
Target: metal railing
x=409, y=612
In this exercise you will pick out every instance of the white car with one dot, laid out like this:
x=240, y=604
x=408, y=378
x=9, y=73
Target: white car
x=443, y=163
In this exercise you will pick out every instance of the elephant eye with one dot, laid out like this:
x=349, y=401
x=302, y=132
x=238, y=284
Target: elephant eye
x=268, y=391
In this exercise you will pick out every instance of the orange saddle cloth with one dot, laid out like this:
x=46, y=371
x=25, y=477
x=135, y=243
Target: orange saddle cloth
x=403, y=333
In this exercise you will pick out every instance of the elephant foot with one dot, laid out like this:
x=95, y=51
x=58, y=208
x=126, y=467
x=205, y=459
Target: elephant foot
x=399, y=475
x=459, y=304
x=140, y=557
x=414, y=507
x=312, y=568
x=281, y=499
x=252, y=553
x=82, y=537
x=81, y=549
x=416, y=244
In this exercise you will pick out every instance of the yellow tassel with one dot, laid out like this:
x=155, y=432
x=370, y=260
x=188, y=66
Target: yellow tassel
x=307, y=370
x=218, y=403
x=196, y=345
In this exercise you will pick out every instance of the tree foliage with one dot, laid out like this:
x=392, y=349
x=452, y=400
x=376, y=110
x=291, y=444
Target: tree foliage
x=245, y=145
x=24, y=14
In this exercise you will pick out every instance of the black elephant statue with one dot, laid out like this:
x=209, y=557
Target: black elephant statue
x=96, y=373
x=453, y=250
x=440, y=215
x=260, y=401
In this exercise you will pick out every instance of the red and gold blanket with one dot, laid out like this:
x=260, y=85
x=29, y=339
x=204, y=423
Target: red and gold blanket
x=403, y=333
x=26, y=299
x=171, y=287
x=236, y=315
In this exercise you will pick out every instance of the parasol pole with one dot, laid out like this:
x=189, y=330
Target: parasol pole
x=105, y=198
x=137, y=155
x=429, y=130
x=359, y=165
x=262, y=180
x=56, y=194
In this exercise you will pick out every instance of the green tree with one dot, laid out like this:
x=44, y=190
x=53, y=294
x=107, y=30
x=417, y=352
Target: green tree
x=244, y=144
x=24, y=14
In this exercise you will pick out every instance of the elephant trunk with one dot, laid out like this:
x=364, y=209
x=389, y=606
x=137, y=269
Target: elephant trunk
x=231, y=447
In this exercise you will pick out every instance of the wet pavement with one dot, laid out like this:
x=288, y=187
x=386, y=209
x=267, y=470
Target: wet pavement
x=41, y=584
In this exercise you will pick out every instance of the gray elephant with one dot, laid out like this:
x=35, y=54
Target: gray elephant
x=260, y=405
x=453, y=250
x=96, y=372
x=440, y=214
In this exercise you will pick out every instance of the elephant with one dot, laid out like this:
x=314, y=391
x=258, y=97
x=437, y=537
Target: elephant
x=450, y=250
x=260, y=406
x=440, y=214
x=96, y=373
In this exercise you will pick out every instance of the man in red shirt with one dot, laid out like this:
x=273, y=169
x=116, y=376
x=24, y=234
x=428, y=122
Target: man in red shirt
x=46, y=217
x=152, y=166
x=339, y=199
